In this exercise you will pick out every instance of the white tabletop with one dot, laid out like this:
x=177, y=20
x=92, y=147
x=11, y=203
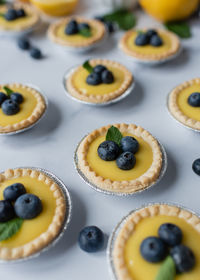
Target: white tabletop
x=52, y=142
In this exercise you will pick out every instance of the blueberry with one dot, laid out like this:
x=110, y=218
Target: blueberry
x=71, y=28
x=151, y=32
x=23, y=43
x=156, y=41
x=35, y=53
x=170, y=234
x=6, y=211
x=194, y=99
x=9, y=107
x=13, y=191
x=17, y=97
x=21, y=13
x=11, y=14
x=91, y=239
x=183, y=258
x=107, y=77
x=196, y=166
x=108, y=150
x=129, y=144
x=83, y=25
x=93, y=79
x=153, y=249
x=99, y=68
x=110, y=26
x=3, y=97
x=142, y=40
x=126, y=161
x=100, y=18
x=28, y=206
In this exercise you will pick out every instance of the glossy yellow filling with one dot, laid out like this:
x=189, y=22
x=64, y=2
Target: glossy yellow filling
x=185, y=107
x=109, y=169
x=80, y=76
x=167, y=44
x=139, y=269
x=26, y=108
x=31, y=229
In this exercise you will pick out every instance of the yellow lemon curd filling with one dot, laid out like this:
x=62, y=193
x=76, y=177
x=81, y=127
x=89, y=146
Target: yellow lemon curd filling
x=138, y=268
x=31, y=229
x=184, y=106
x=148, y=49
x=26, y=108
x=109, y=169
x=80, y=76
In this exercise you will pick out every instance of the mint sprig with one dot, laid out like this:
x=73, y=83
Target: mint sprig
x=88, y=66
x=85, y=32
x=8, y=90
x=2, y=2
x=167, y=270
x=182, y=29
x=8, y=229
x=113, y=134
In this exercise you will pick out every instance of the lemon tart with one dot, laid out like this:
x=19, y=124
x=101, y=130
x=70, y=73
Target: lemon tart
x=150, y=45
x=25, y=21
x=180, y=106
x=34, y=233
x=78, y=87
x=126, y=253
x=139, y=170
x=59, y=34
x=30, y=109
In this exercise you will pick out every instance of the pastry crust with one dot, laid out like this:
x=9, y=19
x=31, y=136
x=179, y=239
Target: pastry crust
x=129, y=226
x=33, y=20
x=75, y=92
x=52, y=32
x=151, y=57
x=176, y=111
x=132, y=186
x=57, y=221
x=33, y=118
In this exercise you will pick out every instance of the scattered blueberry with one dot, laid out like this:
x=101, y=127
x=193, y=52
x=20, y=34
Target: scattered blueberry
x=17, y=97
x=183, y=258
x=83, y=25
x=6, y=211
x=107, y=77
x=108, y=150
x=126, y=161
x=72, y=28
x=23, y=43
x=21, y=13
x=129, y=144
x=99, y=69
x=13, y=191
x=151, y=32
x=142, y=40
x=93, y=79
x=11, y=14
x=196, y=166
x=28, y=206
x=91, y=239
x=110, y=26
x=35, y=53
x=153, y=249
x=194, y=99
x=156, y=41
x=10, y=107
x=170, y=234
x=3, y=97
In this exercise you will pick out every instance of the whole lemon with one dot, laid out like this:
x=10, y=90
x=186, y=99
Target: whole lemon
x=169, y=10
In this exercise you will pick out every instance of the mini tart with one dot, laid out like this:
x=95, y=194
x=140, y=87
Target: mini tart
x=36, y=233
x=106, y=175
x=128, y=263
x=76, y=83
x=171, y=46
x=31, y=109
x=57, y=35
x=20, y=24
x=179, y=107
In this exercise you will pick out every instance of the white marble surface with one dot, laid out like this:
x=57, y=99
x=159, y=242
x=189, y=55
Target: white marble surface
x=52, y=143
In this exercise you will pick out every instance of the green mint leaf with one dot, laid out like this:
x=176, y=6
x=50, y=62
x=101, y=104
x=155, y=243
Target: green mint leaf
x=167, y=270
x=88, y=66
x=113, y=134
x=2, y=2
x=85, y=32
x=8, y=90
x=8, y=229
x=182, y=29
